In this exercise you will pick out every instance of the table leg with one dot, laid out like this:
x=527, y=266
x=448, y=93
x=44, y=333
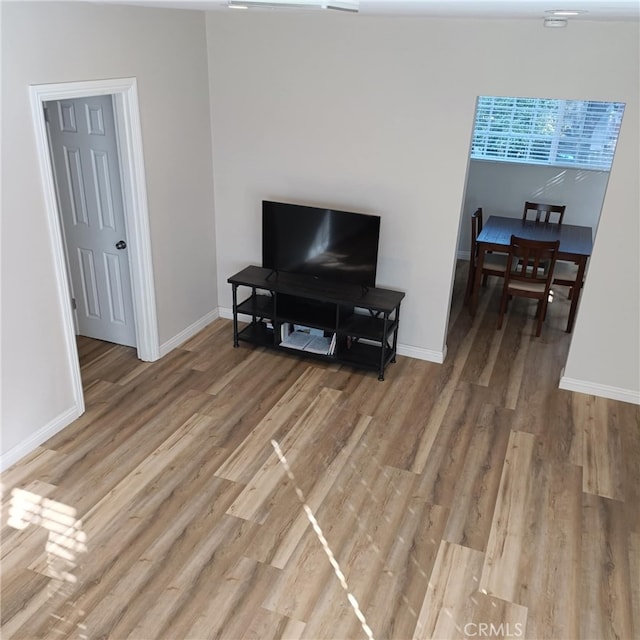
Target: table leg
x=582, y=264
x=477, y=279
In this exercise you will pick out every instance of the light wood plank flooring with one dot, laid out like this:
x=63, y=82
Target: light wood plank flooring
x=241, y=493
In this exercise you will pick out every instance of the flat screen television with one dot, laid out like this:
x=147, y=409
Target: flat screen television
x=323, y=243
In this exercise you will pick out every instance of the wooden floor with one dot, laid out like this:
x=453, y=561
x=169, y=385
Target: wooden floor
x=241, y=493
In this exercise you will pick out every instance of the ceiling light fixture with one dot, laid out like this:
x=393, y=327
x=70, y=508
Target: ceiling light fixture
x=555, y=22
x=338, y=5
x=565, y=13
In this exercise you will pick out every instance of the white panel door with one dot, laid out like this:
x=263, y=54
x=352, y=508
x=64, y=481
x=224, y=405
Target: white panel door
x=84, y=151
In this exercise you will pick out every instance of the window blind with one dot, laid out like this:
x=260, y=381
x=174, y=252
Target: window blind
x=570, y=133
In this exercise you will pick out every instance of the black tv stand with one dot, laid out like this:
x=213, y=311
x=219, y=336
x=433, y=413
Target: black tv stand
x=360, y=323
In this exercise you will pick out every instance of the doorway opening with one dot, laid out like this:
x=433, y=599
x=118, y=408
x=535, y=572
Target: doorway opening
x=128, y=132
x=539, y=150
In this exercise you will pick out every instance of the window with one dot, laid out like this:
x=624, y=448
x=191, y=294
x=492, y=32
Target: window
x=570, y=133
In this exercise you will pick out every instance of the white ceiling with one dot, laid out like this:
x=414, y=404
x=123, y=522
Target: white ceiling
x=496, y=9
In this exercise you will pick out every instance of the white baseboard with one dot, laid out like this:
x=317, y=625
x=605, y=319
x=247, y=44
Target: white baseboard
x=36, y=439
x=601, y=390
x=189, y=332
x=225, y=312
x=422, y=354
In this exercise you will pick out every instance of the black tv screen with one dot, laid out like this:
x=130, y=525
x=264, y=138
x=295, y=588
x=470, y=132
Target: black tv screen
x=323, y=243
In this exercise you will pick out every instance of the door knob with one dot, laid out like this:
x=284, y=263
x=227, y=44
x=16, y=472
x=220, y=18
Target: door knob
x=121, y=244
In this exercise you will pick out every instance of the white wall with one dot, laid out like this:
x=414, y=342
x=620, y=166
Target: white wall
x=375, y=114
x=605, y=349
x=502, y=188
x=166, y=52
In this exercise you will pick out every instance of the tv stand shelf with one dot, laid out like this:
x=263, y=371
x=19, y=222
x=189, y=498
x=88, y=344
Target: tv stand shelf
x=364, y=320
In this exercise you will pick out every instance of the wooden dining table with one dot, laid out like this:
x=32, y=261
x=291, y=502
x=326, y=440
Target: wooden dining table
x=576, y=244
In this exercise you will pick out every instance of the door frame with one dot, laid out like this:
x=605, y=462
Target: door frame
x=136, y=213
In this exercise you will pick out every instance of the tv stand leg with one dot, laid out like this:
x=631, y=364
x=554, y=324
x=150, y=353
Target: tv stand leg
x=234, y=289
x=383, y=348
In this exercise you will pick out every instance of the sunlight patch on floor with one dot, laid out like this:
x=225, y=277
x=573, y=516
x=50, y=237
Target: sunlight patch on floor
x=323, y=541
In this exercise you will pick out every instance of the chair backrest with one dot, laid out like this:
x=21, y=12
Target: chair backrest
x=476, y=228
x=532, y=260
x=548, y=210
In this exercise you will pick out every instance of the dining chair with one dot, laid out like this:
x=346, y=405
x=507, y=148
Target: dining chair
x=529, y=274
x=565, y=274
x=540, y=208
x=494, y=264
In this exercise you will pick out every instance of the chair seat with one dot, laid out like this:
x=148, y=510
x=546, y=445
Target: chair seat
x=532, y=287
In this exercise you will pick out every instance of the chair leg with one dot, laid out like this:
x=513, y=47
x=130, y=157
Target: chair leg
x=470, y=281
x=544, y=304
x=539, y=327
x=542, y=312
x=503, y=307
